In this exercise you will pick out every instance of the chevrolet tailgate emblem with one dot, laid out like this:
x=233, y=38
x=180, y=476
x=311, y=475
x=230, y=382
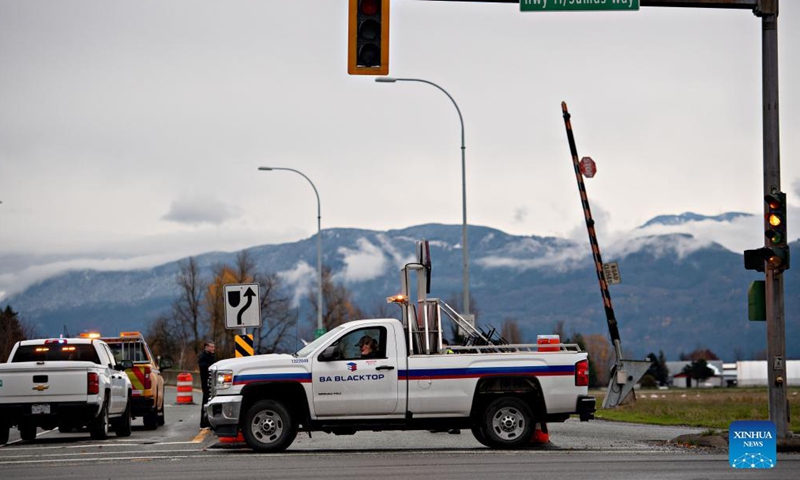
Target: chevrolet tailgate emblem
x=41, y=388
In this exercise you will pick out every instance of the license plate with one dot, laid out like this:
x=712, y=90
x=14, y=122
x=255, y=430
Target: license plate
x=40, y=409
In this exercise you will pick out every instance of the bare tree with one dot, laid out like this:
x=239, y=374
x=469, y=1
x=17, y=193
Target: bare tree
x=187, y=308
x=168, y=338
x=277, y=318
x=510, y=331
x=600, y=353
x=339, y=306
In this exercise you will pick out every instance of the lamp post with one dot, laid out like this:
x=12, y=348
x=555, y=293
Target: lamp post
x=319, y=239
x=464, y=252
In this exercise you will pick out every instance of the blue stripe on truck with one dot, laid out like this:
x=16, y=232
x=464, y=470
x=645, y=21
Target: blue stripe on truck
x=442, y=373
x=272, y=377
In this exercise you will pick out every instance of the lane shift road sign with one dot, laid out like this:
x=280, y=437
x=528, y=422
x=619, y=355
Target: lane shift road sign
x=242, y=306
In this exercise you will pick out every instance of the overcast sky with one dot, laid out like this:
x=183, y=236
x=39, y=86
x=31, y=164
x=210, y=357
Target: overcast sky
x=131, y=131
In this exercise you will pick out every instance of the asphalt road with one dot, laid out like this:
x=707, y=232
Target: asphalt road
x=180, y=450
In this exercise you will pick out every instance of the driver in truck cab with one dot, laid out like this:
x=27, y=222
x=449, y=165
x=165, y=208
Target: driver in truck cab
x=368, y=346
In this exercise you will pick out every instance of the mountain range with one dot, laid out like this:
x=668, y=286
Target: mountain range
x=677, y=293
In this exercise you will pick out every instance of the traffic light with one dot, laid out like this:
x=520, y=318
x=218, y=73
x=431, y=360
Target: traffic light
x=776, y=219
x=778, y=256
x=775, y=255
x=368, y=37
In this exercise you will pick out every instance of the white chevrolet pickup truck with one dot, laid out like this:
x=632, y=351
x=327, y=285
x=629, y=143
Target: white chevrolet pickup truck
x=64, y=383
x=403, y=379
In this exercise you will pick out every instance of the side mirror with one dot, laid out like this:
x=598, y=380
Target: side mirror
x=165, y=364
x=330, y=353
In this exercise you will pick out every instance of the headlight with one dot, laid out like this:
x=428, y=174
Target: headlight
x=223, y=379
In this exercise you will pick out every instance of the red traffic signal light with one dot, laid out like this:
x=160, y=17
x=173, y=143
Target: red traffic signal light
x=368, y=37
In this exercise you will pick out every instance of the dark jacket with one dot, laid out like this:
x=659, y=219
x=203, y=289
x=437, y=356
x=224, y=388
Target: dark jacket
x=205, y=360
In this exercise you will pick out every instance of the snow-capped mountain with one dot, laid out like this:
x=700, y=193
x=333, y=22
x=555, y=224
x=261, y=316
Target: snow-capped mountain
x=677, y=293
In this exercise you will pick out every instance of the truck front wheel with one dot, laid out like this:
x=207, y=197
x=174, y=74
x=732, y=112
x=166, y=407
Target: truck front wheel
x=508, y=423
x=268, y=427
x=3, y=433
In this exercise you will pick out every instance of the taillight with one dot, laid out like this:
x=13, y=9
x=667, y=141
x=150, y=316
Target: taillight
x=93, y=383
x=582, y=373
x=147, y=383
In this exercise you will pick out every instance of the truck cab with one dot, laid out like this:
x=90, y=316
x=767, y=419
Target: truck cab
x=147, y=401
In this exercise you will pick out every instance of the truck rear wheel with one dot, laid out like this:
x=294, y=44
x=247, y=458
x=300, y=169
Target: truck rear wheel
x=27, y=431
x=3, y=433
x=268, y=427
x=508, y=423
x=98, y=430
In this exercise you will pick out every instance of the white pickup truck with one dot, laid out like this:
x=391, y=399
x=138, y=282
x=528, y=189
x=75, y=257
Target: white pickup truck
x=405, y=380
x=64, y=383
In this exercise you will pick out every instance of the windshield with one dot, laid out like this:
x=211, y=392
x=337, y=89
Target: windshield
x=306, y=351
x=82, y=352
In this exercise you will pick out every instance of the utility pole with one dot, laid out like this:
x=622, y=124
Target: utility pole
x=776, y=321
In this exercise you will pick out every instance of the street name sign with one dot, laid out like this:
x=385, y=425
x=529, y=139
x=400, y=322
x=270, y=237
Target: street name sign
x=242, y=306
x=577, y=5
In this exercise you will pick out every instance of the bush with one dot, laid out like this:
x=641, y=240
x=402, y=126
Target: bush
x=648, y=381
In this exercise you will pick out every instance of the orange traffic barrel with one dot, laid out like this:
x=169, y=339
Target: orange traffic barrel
x=185, y=389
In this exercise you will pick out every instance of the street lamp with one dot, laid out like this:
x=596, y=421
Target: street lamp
x=319, y=240
x=463, y=184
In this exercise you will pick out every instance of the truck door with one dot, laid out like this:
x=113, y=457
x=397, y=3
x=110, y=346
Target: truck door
x=360, y=380
x=119, y=395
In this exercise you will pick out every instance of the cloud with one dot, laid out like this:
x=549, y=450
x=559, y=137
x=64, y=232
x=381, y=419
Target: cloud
x=520, y=214
x=530, y=253
x=200, y=210
x=559, y=260
x=398, y=259
x=365, y=262
x=300, y=279
x=18, y=281
x=680, y=245
x=737, y=235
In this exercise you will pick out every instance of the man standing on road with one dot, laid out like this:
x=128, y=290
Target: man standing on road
x=205, y=360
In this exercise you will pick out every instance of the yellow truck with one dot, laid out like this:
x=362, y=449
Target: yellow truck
x=147, y=399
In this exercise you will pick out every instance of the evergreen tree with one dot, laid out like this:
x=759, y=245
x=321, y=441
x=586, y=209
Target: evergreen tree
x=10, y=331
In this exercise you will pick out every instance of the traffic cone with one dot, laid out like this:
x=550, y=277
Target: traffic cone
x=540, y=435
x=239, y=438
